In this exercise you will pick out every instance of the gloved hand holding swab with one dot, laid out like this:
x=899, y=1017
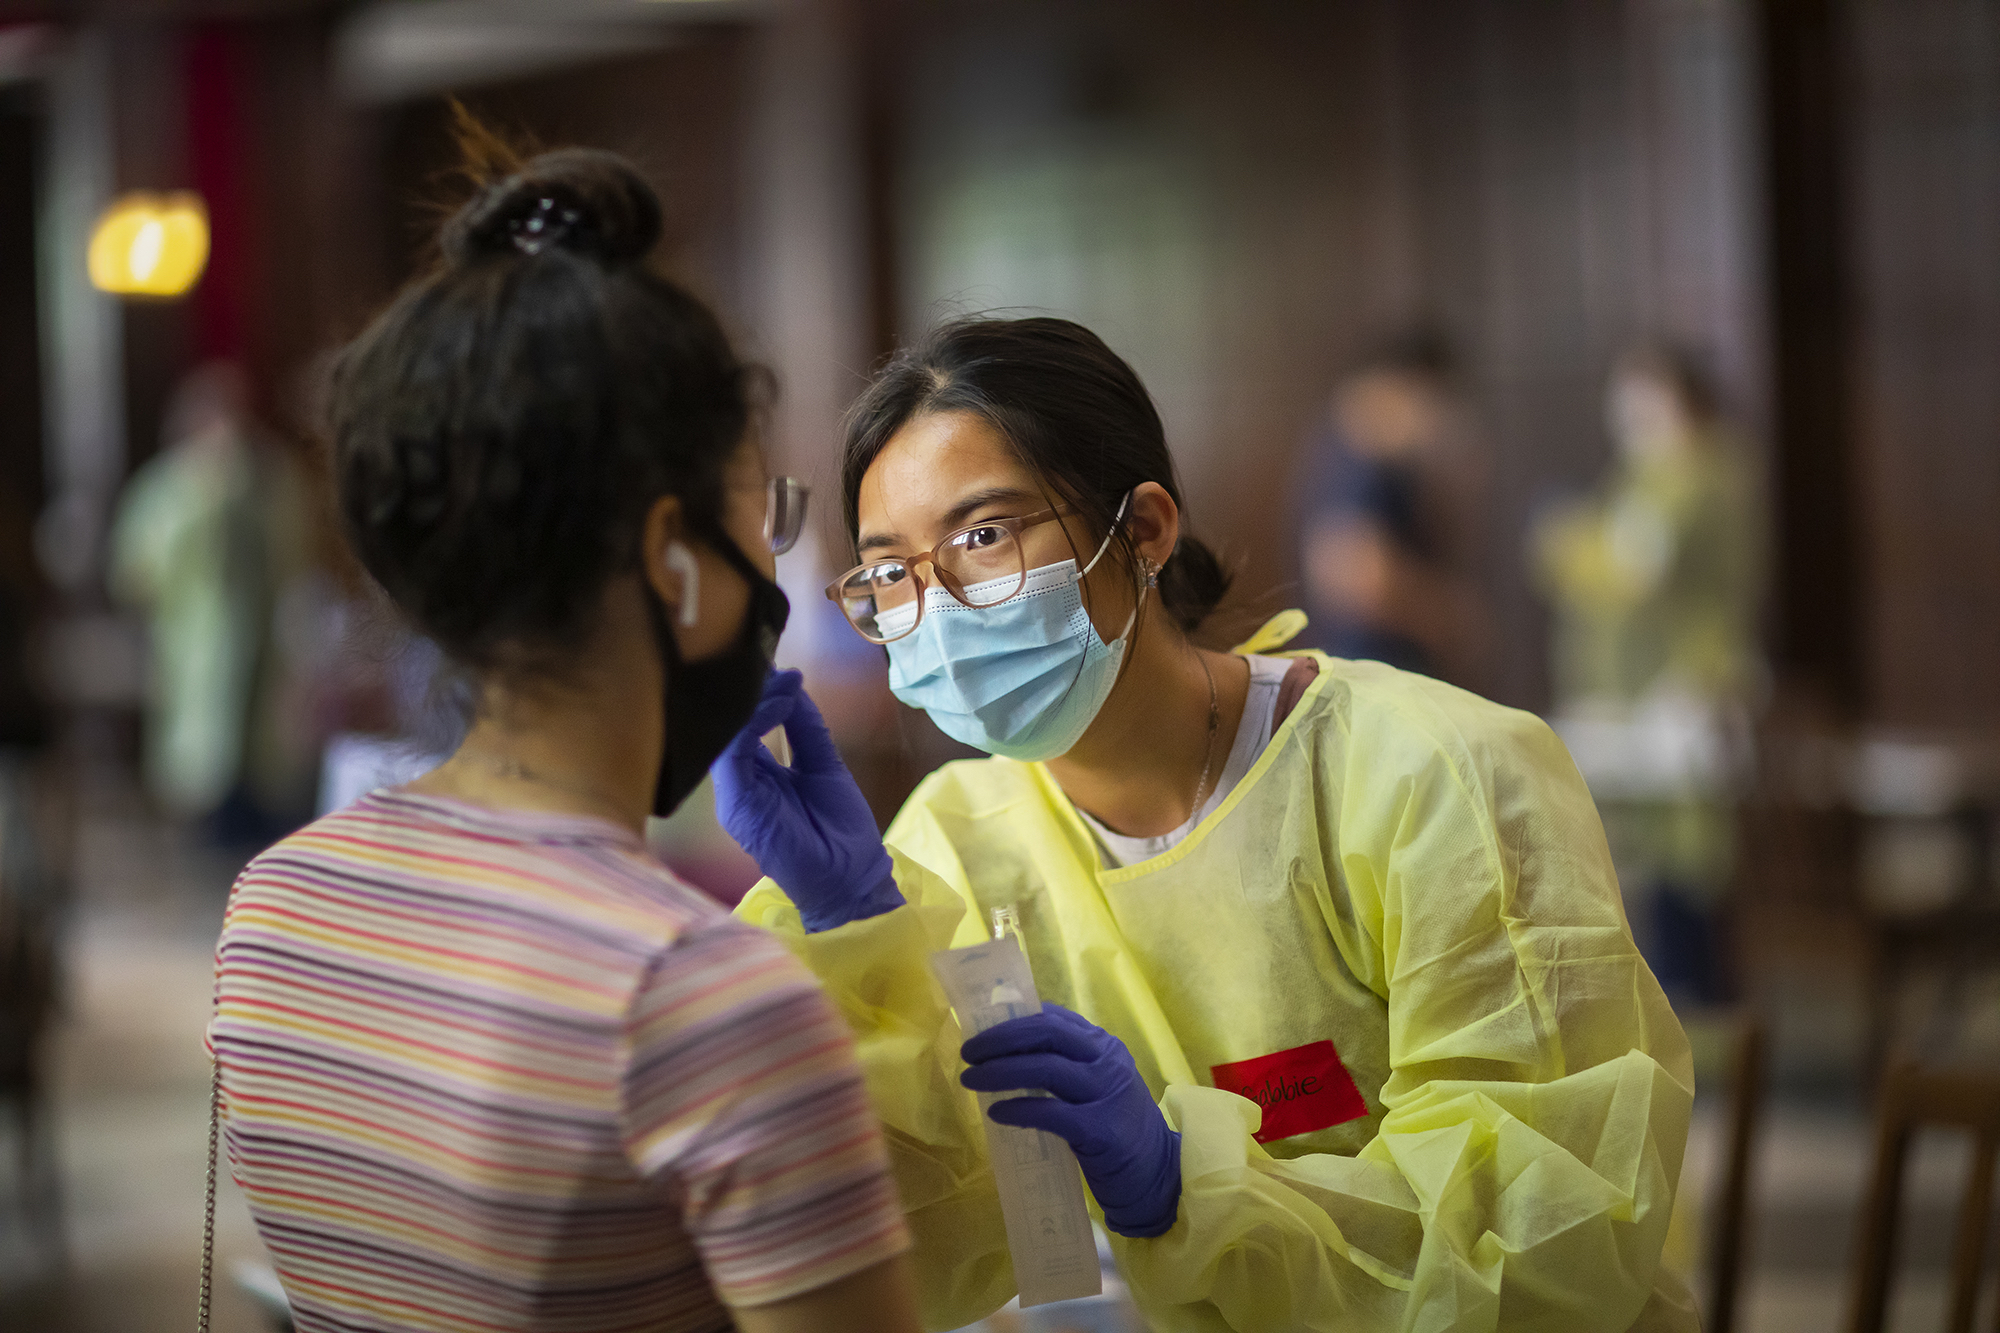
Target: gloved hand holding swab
x=806, y=824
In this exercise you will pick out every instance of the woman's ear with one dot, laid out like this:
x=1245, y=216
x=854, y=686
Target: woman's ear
x=1153, y=523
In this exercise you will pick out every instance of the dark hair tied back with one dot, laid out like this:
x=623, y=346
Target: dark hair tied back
x=581, y=199
x=1072, y=410
x=1193, y=583
x=500, y=432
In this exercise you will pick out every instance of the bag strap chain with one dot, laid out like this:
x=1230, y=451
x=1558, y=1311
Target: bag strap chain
x=208, y=1211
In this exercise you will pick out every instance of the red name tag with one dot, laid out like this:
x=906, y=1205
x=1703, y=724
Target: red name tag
x=1301, y=1090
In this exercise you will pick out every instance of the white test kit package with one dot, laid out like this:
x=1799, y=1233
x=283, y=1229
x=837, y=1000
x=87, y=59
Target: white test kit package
x=1040, y=1184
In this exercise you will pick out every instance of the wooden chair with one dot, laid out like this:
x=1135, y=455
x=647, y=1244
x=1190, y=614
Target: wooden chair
x=1913, y=1096
x=1957, y=944
x=1732, y=1205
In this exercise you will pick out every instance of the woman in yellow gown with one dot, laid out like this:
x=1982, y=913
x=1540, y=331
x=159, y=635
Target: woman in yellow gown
x=1346, y=1023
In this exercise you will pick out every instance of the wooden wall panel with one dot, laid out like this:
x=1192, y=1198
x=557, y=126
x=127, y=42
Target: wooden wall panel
x=1926, y=255
x=1816, y=633
x=1241, y=197
x=678, y=113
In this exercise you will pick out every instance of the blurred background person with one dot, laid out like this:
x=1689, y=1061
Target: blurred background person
x=1382, y=526
x=209, y=536
x=1653, y=583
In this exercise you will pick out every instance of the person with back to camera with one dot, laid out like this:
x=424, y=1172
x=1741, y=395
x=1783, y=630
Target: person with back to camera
x=1345, y=1022
x=484, y=1063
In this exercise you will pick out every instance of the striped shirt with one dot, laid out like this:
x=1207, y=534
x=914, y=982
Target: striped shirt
x=500, y=1070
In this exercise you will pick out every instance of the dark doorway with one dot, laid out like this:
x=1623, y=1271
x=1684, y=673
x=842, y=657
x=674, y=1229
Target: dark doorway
x=21, y=490
x=20, y=343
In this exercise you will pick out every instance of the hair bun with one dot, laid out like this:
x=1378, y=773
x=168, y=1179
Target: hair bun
x=579, y=199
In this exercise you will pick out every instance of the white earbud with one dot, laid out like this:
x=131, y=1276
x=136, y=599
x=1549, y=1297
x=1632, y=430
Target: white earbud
x=681, y=561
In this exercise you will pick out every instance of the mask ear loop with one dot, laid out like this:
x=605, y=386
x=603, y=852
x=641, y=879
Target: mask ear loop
x=1104, y=546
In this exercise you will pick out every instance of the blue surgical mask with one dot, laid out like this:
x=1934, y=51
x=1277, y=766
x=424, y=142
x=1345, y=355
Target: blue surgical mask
x=1022, y=679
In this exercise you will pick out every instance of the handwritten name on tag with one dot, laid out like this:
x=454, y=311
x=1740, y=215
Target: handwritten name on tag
x=1301, y=1090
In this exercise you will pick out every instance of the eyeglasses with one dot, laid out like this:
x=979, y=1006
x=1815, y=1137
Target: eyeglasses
x=785, y=513
x=981, y=565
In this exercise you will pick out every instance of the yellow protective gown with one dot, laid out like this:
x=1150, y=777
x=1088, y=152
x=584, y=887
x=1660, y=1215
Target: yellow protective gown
x=1410, y=871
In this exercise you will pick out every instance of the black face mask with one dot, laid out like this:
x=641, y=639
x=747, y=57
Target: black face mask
x=709, y=701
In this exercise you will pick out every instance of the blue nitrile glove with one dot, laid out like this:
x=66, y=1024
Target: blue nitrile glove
x=1101, y=1106
x=807, y=826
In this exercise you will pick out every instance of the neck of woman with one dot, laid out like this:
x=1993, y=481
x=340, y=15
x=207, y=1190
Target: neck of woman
x=588, y=743
x=1138, y=767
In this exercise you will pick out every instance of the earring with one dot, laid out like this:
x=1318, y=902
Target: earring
x=1152, y=574
x=681, y=561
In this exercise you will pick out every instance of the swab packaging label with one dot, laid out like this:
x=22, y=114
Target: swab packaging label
x=1041, y=1187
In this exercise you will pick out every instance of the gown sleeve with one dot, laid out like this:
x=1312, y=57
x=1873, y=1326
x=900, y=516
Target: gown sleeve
x=1537, y=1107
x=877, y=972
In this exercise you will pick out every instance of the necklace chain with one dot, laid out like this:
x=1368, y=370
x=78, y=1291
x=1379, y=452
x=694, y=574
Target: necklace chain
x=1208, y=752
x=515, y=769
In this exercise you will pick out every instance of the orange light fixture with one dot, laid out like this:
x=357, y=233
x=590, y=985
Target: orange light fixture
x=150, y=244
